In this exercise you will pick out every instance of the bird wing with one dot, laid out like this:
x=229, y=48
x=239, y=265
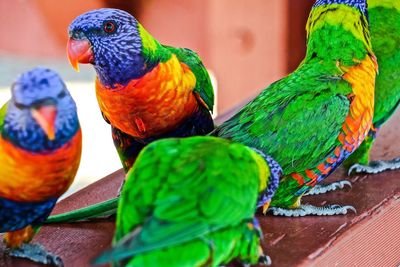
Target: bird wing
x=199, y=196
x=296, y=120
x=203, y=87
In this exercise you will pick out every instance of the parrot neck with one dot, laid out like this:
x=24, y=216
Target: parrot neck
x=358, y=4
x=120, y=68
x=337, y=33
x=273, y=182
x=269, y=181
x=115, y=70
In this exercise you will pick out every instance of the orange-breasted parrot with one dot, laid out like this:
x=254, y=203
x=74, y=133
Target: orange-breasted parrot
x=145, y=90
x=40, y=150
x=313, y=119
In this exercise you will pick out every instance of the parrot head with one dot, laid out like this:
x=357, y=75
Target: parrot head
x=111, y=40
x=359, y=4
x=41, y=114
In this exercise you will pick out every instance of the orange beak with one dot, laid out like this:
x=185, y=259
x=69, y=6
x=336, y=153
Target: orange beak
x=45, y=116
x=265, y=207
x=79, y=51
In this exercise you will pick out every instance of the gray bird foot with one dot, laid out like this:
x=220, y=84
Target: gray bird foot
x=323, y=188
x=375, y=167
x=36, y=253
x=305, y=210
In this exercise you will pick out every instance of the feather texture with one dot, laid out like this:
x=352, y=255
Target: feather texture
x=385, y=37
x=190, y=202
x=145, y=90
x=317, y=116
x=32, y=178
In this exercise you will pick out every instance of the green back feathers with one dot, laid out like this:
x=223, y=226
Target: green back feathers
x=385, y=35
x=3, y=112
x=182, y=189
x=383, y=3
x=338, y=32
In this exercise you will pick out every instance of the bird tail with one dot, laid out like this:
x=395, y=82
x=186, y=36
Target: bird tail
x=102, y=210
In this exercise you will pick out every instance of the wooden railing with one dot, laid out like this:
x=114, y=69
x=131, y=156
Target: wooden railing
x=368, y=238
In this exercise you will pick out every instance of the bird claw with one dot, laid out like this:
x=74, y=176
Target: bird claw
x=324, y=188
x=375, y=167
x=36, y=253
x=264, y=260
x=306, y=210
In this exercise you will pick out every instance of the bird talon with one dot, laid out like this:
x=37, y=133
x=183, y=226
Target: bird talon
x=264, y=260
x=357, y=168
x=305, y=210
x=36, y=253
x=375, y=167
x=322, y=189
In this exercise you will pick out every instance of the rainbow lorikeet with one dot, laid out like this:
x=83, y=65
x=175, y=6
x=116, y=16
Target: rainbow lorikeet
x=384, y=18
x=313, y=119
x=40, y=149
x=191, y=202
x=145, y=90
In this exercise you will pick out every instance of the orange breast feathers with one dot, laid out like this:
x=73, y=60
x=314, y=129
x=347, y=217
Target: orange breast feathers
x=26, y=176
x=152, y=105
x=359, y=121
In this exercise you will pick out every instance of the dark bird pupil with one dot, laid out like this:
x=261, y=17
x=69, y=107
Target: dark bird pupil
x=109, y=27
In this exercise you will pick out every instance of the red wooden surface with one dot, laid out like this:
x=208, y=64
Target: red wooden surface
x=368, y=238
x=298, y=11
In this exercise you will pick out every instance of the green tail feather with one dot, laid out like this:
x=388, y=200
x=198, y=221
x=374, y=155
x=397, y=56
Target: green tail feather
x=97, y=211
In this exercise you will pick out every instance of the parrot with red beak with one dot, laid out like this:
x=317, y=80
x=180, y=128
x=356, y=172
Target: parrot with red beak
x=40, y=150
x=145, y=90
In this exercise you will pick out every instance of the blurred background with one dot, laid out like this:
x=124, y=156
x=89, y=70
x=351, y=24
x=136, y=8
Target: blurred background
x=246, y=44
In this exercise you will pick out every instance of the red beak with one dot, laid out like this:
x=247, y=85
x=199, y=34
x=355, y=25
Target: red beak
x=45, y=116
x=79, y=51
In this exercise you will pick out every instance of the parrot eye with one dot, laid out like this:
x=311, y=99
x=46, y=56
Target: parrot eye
x=109, y=27
x=62, y=94
x=20, y=106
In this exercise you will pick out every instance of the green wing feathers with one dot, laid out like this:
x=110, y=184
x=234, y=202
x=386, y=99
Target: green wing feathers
x=180, y=190
x=203, y=82
x=296, y=121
